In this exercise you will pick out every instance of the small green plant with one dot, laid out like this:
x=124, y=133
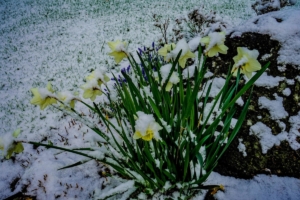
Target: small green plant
x=163, y=132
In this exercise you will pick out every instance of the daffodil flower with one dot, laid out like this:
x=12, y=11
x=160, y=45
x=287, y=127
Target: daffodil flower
x=165, y=50
x=99, y=75
x=246, y=60
x=91, y=90
x=146, y=128
x=9, y=145
x=174, y=79
x=185, y=52
x=119, y=50
x=43, y=96
x=214, y=44
x=67, y=97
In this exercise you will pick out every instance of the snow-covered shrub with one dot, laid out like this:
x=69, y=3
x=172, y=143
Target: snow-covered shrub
x=197, y=23
x=160, y=130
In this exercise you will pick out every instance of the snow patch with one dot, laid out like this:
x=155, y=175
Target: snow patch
x=268, y=81
x=242, y=148
x=286, y=92
x=275, y=107
x=266, y=138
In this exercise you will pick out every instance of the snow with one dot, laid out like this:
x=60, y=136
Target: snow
x=290, y=81
x=242, y=147
x=165, y=71
x=145, y=123
x=286, y=92
x=266, y=138
x=277, y=25
x=194, y=43
x=63, y=42
x=268, y=81
x=182, y=46
x=294, y=131
x=260, y=187
x=119, y=189
x=215, y=39
x=275, y=107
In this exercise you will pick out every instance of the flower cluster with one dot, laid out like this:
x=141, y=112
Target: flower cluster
x=170, y=51
x=246, y=60
x=44, y=97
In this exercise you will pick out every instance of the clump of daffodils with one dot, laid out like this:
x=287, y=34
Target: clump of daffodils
x=246, y=61
x=160, y=132
x=214, y=44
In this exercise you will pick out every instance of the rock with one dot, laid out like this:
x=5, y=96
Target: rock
x=271, y=138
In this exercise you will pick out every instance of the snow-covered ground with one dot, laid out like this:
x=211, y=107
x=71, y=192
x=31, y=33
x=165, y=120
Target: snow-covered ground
x=62, y=41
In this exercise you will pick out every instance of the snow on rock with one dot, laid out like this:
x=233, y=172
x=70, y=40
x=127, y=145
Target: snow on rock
x=275, y=107
x=282, y=26
x=266, y=138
